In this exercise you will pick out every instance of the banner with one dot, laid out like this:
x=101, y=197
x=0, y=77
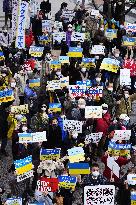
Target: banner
x=55, y=107
x=94, y=91
x=6, y=96
x=77, y=36
x=46, y=26
x=72, y=125
x=98, y=50
x=67, y=182
x=21, y=109
x=60, y=36
x=15, y=10
x=130, y=64
x=88, y=63
x=75, y=52
x=32, y=137
x=93, y=112
x=119, y=149
x=93, y=137
x=53, y=85
x=110, y=64
x=77, y=90
x=76, y=154
x=64, y=59
x=14, y=201
x=131, y=179
x=35, y=51
x=20, y=37
x=125, y=77
x=78, y=168
x=49, y=154
x=55, y=64
x=129, y=41
x=111, y=33
x=47, y=184
x=24, y=168
x=99, y=195
x=130, y=27
x=122, y=135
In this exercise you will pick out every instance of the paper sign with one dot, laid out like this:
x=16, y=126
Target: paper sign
x=111, y=33
x=68, y=15
x=93, y=112
x=129, y=41
x=64, y=59
x=113, y=166
x=131, y=179
x=76, y=154
x=122, y=135
x=67, y=182
x=36, y=51
x=88, y=62
x=14, y=201
x=64, y=82
x=77, y=90
x=34, y=83
x=130, y=27
x=78, y=168
x=93, y=137
x=53, y=85
x=110, y=64
x=75, y=52
x=21, y=109
x=6, y=96
x=49, y=154
x=55, y=64
x=77, y=36
x=98, y=50
x=55, y=107
x=32, y=137
x=95, y=12
x=46, y=26
x=22, y=14
x=72, y=125
x=58, y=25
x=47, y=184
x=60, y=36
x=99, y=195
x=125, y=77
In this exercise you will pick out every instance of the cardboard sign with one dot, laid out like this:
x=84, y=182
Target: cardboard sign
x=67, y=182
x=58, y=25
x=125, y=77
x=111, y=33
x=110, y=64
x=53, y=85
x=93, y=137
x=55, y=107
x=122, y=135
x=14, y=201
x=72, y=125
x=22, y=17
x=46, y=26
x=35, y=51
x=60, y=36
x=131, y=179
x=49, y=154
x=78, y=168
x=98, y=50
x=34, y=83
x=93, y=112
x=32, y=137
x=21, y=109
x=47, y=184
x=99, y=195
x=129, y=41
x=6, y=96
x=24, y=168
x=77, y=36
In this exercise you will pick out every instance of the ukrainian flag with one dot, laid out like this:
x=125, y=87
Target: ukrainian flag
x=55, y=107
x=49, y=154
x=25, y=137
x=127, y=41
x=23, y=165
x=133, y=199
x=55, y=64
x=78, y=168
x=34, y=83
x=75, y=52
x=67, y=182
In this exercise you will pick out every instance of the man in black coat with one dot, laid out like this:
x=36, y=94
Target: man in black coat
x=45, y=6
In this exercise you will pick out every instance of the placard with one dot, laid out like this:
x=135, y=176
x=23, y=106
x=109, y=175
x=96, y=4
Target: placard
x=64, y=59
x=93, y=112
x=72, y=125
x=60, y=36
x=129, y=41
x=53, y=85
x=110, y=64
x=130, y=64
x=93, y=137
x=21, y=109
x=98, y=50
x=34, y=83
x=75, y=52
x=32, y=137
x=46, y=26
x=133, y=198
x=35, y=51
x=50, y=154
x=55, y=107
x=55, y=64
x=113, y=166
x=111, y=33
x=130, y=27
x=95, y=12
x=84, y=82
x=77, y=36
x=6, y=96
x=119, y=149
x=122, y=135
x=47, y=184
x=77, y=90
x=88, y=63
x=22, y=14
x=99, y=195
x=78, y=168
x=125, y=77
x=15, y=7
x=131, y=179
x=76, y=154
x=14, y=201
x=67, y=182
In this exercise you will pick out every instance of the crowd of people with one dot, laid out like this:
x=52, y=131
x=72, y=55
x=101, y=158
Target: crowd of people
x=67, y=99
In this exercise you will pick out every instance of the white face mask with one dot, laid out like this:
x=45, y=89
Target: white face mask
x=95, y=173
x=75, y=135
x=126, y=96
x=101, y=29
x=98, y=79
x=58, y=73
x=97, y=57
x=43, y=109
x=104, y=112
x=13, y=85
x=117, y=55
x=24, y=129
x=83, y=70
x=69, y=29
x=110, y=89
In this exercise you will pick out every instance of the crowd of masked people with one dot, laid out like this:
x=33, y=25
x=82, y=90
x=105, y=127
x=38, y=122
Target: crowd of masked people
x=18, y=67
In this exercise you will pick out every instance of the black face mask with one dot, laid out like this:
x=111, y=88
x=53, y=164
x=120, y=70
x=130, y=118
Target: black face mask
x=5, y=33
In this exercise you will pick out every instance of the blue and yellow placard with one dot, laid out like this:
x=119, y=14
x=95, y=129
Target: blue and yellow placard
x=34, y=83
x=6, y=96
x=23, y=165
x=55, y=64
x=75, y=52
x=78, y=168
x=43, y=40
x=55, y=107
x=129, y=41
x=49, y=154
x=133, y=199
x=67, y=182
x=35, y=51
x=111, y=33
x=88, y=62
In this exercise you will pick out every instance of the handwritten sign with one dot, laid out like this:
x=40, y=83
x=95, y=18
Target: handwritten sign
x=98, y=50
x=95, y=12
x=130, y=64
x=93, y=137
x=36, y=51
x=47, y=184
x=125, y=77
x=46, y=26
x=131, y=179
x=72, y=125
x=110, y=64
x=129, y=41
x=77, y=90
x=122, y=135
x=14, y=201
x=6, y=96
x=53, y=85
x=130, y=27
x=88, y=62
x=76, y=154
x=55, y=107
x=111, y=33
x=64, y=59
x=77, y=36
x=60, y=36
x=93, y=112
x=67, y=182
x=21, y=109
x=32, y=137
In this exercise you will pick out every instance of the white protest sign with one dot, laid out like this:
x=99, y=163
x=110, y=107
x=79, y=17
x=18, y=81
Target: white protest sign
x=39, y=136
x=131, y=179
x=130, y=27
x=53, y=85
x=46, y=26
x=14, y=201
x=93, y=137
x=113, y=166
x=60, y=36
x=93, y=112
x=125, y=77
x=95, y=12
x=21, y=109
x=58, y=25
x=72, y=125
x=20, y=37
x=98, y=50
x=24, y=176
x=99, y=195
x=122, y=135
x=68, y=15
x=77, y=36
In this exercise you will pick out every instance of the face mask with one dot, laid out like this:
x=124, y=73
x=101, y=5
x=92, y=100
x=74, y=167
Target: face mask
x=101, y=29
x=97, y=57
x=117, y=55
x=83, y=70
x=95, y=173
x=58, y=73
x=104, y=112
x=43, y=108
x=110, y=89
x=70, y=29
x=13, y=85
x=75, y=136
x=98, y=79
x=24, y=129
x=126, y=96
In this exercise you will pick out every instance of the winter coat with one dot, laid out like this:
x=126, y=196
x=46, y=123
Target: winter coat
x=12, y=122
x=29, y=40
x=7, y=6
x=102, y=124
x=54, y=138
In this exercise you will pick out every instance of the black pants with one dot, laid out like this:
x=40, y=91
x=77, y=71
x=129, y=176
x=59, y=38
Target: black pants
x=4, y=140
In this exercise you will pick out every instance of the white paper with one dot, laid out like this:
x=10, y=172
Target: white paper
x=77, y=36
x=12, y=201
x=98, y=50
x=125, y=77
x=122, y=135
x=95, y=12
x=72, y=125
x=93, y=137
x=93, y=112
